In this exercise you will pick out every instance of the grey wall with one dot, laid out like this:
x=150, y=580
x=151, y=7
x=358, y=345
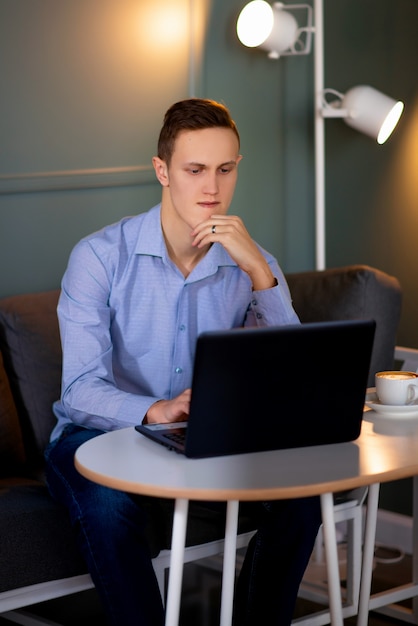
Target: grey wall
x=84, y=89
x=84, y=86
x=372, y=191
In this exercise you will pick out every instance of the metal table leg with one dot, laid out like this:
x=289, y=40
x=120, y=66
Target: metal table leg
x=368, y=554
x=331, y=556
x=175, y=577
x=228, y=575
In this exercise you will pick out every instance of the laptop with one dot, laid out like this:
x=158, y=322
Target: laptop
x=257, y=389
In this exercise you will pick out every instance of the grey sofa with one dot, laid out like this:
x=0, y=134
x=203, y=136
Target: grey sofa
x=38, y=556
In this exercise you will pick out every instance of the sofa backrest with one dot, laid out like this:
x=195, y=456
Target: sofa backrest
x=352, y=292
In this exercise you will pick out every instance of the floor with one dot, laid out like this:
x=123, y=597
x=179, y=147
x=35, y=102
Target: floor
x=200, y=606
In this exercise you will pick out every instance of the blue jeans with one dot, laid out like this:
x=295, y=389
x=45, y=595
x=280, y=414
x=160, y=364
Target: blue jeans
x=118, y=534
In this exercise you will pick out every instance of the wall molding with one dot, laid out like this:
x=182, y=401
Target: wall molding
x=63, y=180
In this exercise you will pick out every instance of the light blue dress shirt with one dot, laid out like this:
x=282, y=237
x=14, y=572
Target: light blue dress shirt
x=129, y=320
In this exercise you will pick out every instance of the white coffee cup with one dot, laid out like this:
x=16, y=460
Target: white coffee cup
x=396, y=387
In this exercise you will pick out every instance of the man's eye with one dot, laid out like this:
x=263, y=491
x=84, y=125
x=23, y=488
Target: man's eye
x=194, y=170
x=225, y=170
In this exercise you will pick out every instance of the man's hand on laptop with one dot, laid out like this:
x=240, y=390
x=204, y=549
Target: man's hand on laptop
x=167, y=411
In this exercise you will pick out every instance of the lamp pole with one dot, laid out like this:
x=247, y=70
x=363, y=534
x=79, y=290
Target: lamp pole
x=319, y=136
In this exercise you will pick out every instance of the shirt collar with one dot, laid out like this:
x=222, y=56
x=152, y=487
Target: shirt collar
x=150, y=236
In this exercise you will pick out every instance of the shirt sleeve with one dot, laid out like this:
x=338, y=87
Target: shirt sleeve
x=89, y=395
x=272, y=307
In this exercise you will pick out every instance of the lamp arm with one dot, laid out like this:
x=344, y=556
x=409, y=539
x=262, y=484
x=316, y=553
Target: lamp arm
x=300, y=47
x=333, y=108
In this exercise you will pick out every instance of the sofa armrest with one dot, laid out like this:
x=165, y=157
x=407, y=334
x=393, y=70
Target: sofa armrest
x=31, y=348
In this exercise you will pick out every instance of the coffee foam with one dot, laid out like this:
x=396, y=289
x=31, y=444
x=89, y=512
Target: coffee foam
x=397, y=375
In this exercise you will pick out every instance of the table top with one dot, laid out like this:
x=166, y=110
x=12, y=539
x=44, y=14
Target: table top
x=124, y=459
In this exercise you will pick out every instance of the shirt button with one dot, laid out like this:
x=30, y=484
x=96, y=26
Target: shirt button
x=178, y=370
x=254, y=302
x=182, y=327
x=259, y=316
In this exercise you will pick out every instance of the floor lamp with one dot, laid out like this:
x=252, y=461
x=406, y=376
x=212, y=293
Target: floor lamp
x=274, y=28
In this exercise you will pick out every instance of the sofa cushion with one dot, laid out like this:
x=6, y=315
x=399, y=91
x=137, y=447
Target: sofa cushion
x=30, y=342
x=37, y=539
x=11, y=443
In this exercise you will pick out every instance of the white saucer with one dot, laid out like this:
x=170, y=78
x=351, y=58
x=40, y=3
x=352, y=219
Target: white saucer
x=389, y=410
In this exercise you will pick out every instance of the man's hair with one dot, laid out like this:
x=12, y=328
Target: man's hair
x=192, y=114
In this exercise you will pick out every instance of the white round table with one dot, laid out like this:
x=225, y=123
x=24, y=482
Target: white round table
x=125, y=460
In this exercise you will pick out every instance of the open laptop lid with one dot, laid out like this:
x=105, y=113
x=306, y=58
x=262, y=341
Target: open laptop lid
x=269, y=388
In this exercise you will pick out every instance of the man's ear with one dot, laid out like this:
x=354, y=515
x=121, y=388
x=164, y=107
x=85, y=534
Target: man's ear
x=161, y=171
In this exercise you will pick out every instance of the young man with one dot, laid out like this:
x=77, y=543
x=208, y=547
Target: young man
x=134, y=298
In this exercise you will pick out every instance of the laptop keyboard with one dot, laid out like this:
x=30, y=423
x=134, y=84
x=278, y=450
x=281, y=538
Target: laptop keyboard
x=178, y=437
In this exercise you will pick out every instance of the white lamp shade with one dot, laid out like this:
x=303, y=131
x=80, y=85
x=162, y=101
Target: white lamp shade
x=371, y=112
x=267, y=27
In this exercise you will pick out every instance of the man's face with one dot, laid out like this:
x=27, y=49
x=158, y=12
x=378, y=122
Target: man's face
x=202, y=174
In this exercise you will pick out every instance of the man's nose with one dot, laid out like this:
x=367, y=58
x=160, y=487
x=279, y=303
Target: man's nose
x=211, y=183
